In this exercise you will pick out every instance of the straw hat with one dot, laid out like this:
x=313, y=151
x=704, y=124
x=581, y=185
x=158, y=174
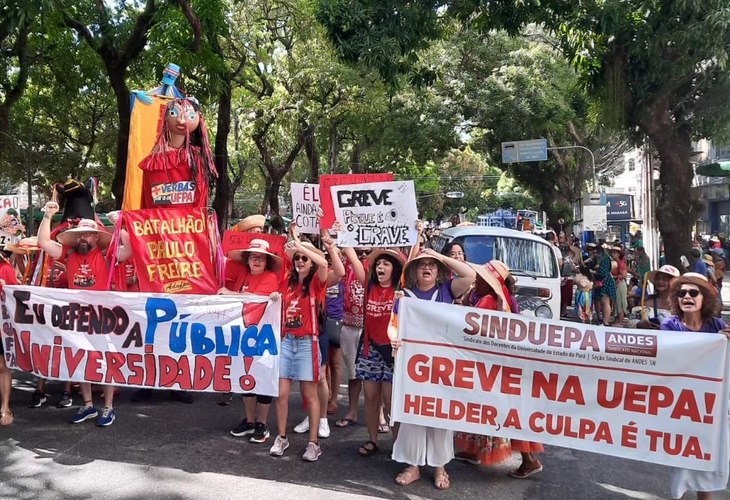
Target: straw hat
x=591, y=245
x=409, y=269
x=501, y=268
x=373, y=257
x=698, y=280
x=25, y=245
x=708, y=259
x=250, y=222
x=670, y=271
x=261, y=247
x=715, y=239
x=491, y=275
x=306, y=244
x=69, y=237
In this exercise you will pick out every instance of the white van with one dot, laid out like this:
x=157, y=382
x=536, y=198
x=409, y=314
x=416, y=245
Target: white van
x=532, y=261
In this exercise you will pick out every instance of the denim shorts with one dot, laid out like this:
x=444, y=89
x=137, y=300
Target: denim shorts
x=296, y=360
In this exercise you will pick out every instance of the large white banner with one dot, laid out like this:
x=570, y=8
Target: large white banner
x=216, y=343
x=379, y=214
x=304, y=207
x=655, y=396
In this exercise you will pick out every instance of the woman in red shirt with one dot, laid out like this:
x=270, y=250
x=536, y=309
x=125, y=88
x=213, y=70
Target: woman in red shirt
x=257, y=277
x=375, y=361
x=7, y=277
x=299, y=357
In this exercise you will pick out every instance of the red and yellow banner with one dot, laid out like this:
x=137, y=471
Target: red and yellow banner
x=171, y=250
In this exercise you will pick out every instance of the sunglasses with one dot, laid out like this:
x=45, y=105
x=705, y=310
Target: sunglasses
x=691, y=293
x=303, y=258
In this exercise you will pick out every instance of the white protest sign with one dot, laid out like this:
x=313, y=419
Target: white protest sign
x=13, y=201
x=594, y=218
x=659, y=397
x=379, y=214
x=305, y=203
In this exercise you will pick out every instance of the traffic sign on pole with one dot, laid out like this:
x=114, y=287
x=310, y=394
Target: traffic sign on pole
x=520, y=151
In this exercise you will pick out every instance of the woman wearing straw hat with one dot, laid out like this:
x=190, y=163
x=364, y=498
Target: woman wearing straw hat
x=427, y=278
x=7, y=277
x=694, y=303
x=259, y=278
x=299, y=358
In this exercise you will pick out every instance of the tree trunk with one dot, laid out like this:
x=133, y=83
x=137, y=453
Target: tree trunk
x=121, y=93
x=333, y=151
x=267, y=192
x=355, y=159
x=674, y=207
x=310, y=147
x=223, y=201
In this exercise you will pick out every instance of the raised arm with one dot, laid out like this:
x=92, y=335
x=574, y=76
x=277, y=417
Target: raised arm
x=337, y=272
x=466, y=275
x=51, y=247
x=356, y=265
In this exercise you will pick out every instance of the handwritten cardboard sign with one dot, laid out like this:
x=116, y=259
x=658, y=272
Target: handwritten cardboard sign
x=380, y=214
x=330, y=180
x=305, y=203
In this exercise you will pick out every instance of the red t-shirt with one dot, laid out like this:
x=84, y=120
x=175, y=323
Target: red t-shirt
x=488, y=302
x=233, y=270
x=259, y=284
x=297, y=310
x=7, y=273
x=167, y=181
x=354, y=300
x=86, y=272
x=377, y=313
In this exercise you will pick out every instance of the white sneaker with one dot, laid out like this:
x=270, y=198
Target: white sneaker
x=302, y=426
x=280, y=444
x=324, y=428
x=312, y=453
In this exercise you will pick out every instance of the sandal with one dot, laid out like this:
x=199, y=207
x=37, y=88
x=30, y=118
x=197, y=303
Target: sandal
x=6, y=417
x=383, y=428
x=332, y=409
x=345, y=422
x=368, y=449
x=441, y=480
x=409, y=475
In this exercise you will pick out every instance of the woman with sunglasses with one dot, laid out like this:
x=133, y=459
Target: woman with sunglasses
x=694, y=303
x=428, y=278
x=374, y=365
x=299, y=359
x=258, y=277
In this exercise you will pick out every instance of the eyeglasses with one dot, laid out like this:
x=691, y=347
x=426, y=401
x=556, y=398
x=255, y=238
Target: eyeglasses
x=255, y=256
x=426, y=265
x=303, y=258
x=692, y=293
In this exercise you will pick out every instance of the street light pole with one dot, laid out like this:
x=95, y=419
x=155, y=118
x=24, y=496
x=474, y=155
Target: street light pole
x=593, y=159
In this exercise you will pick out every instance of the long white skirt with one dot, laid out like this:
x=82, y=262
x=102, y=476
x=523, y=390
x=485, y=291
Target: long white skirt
x=419, y=445
x=684, y=480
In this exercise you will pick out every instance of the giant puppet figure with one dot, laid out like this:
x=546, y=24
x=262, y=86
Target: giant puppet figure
x=177, y=172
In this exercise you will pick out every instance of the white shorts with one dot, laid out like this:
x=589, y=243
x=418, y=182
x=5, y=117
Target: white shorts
x=349, y=339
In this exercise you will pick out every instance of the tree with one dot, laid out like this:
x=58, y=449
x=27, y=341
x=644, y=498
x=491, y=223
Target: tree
x=658, y=68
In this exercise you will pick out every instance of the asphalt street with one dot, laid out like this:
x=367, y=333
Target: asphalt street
x=168, y=450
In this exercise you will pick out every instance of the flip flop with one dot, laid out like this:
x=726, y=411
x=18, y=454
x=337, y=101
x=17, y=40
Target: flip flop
x=332, y=409
x=524, y=474
x=6, y=417
x=383, y=428
x=345, y=422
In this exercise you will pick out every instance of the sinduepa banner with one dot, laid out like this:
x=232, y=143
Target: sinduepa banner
x=655, y=396
x=206, y=343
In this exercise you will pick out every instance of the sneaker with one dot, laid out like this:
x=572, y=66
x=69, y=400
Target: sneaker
x=243, y=429
x=302, y=426
x=107, y=417
x=260, y=433
x=324, y=428
x=84, y=413
x=39, y=399
x=312, y=453
x=280, y=444
x=66, y=401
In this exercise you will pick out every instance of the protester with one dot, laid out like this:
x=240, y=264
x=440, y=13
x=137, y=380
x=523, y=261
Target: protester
x=375, y=358
x=80, y=249
x=720, y=267
x=335, y=273
x=7, y=277
x=427, y=278
x=656, y=306
x=619, y=276
x=352, y=326
x=567, y=270
x=643, y=264
x=260, y=279
x=180, y=167
x=604, y=285
x=694, y=303
x=299, y=357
